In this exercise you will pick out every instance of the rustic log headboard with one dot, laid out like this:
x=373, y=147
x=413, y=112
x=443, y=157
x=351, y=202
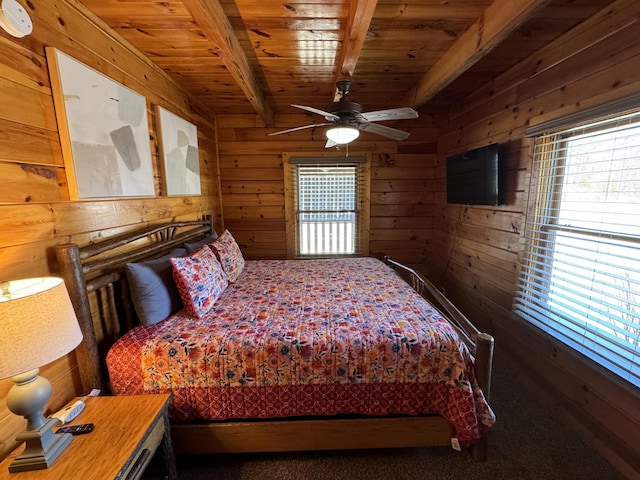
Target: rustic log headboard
x=99, y=268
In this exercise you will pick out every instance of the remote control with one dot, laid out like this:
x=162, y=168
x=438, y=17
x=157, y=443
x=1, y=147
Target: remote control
x=76, y=429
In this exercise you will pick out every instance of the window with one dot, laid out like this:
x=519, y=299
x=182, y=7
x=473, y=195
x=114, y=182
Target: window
x=580, y=275
x=328, y=214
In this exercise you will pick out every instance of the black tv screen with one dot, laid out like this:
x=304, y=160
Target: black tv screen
x=473, y=177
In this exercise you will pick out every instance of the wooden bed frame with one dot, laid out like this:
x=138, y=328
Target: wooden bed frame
x=94, y=276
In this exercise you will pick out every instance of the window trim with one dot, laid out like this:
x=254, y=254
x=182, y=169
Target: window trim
x=290, y=160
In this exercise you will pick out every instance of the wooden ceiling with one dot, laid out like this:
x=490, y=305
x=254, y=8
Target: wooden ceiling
x=261, y=56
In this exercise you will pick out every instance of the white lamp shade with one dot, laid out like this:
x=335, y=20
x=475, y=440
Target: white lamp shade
x=342, y=134
x=37, y=324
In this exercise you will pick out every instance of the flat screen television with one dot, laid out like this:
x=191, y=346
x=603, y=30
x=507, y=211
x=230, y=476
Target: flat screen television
x=474, y=177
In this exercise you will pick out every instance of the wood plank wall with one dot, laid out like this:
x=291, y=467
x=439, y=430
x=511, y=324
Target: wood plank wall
x=598, y=61
x=252, y=184
x=35, y=210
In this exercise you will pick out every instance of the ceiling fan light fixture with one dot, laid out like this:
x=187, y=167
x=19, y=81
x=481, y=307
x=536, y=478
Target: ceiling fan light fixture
x=342, y=134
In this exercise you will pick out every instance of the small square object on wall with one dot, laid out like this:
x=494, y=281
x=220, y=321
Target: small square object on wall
x=178, y=141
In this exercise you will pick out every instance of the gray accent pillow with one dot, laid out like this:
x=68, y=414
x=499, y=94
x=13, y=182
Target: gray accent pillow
x=153, y=292
x=193, y=246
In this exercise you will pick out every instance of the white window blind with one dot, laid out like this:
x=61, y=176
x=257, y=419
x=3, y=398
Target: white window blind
x=580, y=274
x=328, y=202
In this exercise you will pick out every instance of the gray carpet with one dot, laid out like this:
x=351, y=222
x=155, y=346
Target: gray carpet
x=528, y=442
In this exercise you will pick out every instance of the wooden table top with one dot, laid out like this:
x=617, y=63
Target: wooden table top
x=121, y=423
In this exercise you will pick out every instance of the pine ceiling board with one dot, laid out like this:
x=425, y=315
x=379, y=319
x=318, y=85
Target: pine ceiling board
x=285, y=103
x=288, y=23
x=144, y=22
x=437, y=3
x=292, y=51
x=204, y=78
x=293, y=91
x=541, y=31
x=399, y=69
x=435, y=39
x=307, y=92
x=290, y=67
x=378, y=90
x=116, y=9
x=214, y=86
x=414, y=56
x=223, y=100
x=180, y=39
x=424, y=29
x=264, y=48
x=571, y=11
x=287, y=3
x=306, y=76
x=311, y=94
x=216, y=93
x=190, y=63
x=170, y=51
x=302, y=39
x=269, y=8
x=230, y=109
x=418, y=11
x=371, y=73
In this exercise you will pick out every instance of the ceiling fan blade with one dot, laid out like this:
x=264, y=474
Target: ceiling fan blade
x=391, y=114
x=327, y=115
x=389, y=132
x=330, y=143
x=298, y=128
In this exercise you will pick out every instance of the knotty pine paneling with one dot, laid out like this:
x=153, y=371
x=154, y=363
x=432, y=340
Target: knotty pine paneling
x=397, y=182
x=35, y=210
x=475, y=250
x=252, y=184
x=26, y=143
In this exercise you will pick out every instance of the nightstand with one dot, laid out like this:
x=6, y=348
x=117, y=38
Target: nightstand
x=128, y=431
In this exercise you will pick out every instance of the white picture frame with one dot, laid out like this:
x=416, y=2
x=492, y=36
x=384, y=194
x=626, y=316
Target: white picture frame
x=178, y=143
x=104, y=132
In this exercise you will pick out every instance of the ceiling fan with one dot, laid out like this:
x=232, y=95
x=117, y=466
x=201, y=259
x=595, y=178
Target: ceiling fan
x=347, y=119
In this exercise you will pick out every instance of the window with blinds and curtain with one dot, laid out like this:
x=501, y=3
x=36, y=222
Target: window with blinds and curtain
x=327, y=198
x=580, y=274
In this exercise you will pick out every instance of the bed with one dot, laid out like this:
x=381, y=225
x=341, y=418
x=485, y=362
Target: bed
x=281, y=354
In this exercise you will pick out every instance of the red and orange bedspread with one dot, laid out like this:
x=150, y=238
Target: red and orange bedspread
x=306, y=338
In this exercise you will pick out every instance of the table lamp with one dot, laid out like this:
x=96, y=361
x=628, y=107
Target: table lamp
x=37, y=326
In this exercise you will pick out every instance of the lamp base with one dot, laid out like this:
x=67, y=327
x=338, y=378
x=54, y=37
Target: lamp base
x=41, y=449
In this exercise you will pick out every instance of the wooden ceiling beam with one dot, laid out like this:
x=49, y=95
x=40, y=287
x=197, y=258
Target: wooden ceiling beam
x=211, y=18
x=360, y=15
x=497, y=22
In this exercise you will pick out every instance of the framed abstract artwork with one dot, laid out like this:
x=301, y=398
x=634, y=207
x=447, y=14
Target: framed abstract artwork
x=104, y=132
x=178, y=140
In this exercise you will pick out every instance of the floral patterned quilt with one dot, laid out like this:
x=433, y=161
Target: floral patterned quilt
x=310, y=337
